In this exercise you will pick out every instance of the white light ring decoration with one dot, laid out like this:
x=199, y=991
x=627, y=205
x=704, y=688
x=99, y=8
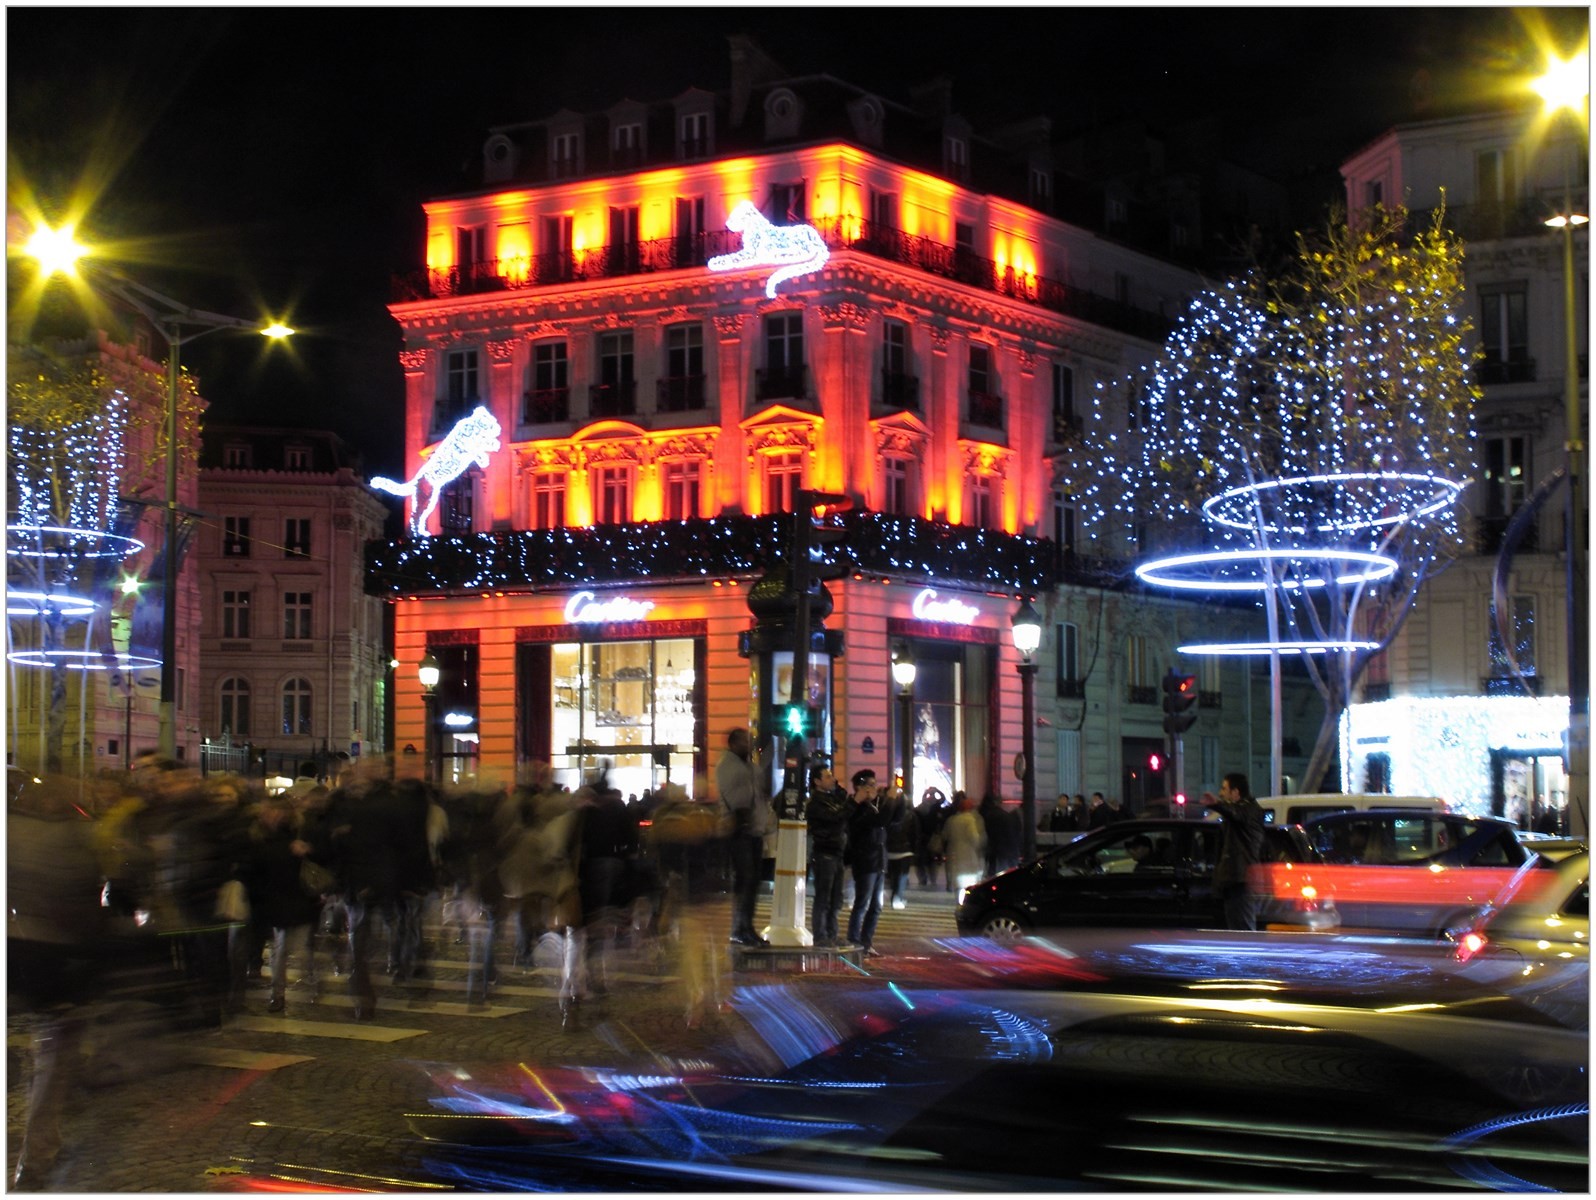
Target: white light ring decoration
x=1305, y=646
x=115, y=545
x=791, y=249
x=88, y=660
x=1374, y=568
x=39, y=604
x=1446, y=491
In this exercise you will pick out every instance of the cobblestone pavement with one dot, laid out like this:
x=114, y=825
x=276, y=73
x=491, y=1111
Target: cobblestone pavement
x=155, y=1111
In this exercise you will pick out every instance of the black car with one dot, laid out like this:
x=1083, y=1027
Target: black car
x=1148, y=873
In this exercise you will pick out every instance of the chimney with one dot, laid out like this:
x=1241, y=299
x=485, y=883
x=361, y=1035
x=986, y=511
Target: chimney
x=750, y=67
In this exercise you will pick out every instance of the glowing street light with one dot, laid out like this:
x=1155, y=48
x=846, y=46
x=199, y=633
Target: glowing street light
x=58, y=252
x=1027, y=628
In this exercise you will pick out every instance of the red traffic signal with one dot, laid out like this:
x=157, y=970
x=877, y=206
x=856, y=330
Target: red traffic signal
x=817, y=524
x=1155, y=761
x=1180, y=696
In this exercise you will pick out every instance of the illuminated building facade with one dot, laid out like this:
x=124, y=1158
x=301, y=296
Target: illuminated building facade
x=1448, y=681
x=585, y=590
x=292, y=647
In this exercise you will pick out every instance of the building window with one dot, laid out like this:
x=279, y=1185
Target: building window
x=549, y=398
x=548, y=500
x=469, y=248
x=557, y=262
x=296, y=458
x=1373, y=193
x=235, y=614
x=682, y=480
x=895, y=496
x=695, y=135
x=690, y=231
x=296, y=616
x=1496, y=178
x=236, y=457
x=786, y=203
x=1116, y=212
x=614, y=394
x=1041, y=186
x=566, y=152
x=628, y=144
x=899, y=388
x=235, y=537
x=783, y=374
x=784, y=475
x=884, y=212
x=1504, y=336
x=235, y=707
x=296, y=707
x=1065, y=422
x=460, y=382
x=1140, y=673
x=986, y=407
x=682, y=389
x=1522, y=624
x=1067, y=661
x=958, y=155
x=1065, y=515
x=983, y=505
x=625, y=251
x=296, y=537
x=612, y=494
x=457, y=507
x=1507, y=481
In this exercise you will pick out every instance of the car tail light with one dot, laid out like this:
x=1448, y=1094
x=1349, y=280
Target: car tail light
x=1470, y=944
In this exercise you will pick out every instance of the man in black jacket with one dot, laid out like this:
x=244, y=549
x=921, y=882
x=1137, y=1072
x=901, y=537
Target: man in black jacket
x=1242, y=849
x=867, y=847
x=828, y=837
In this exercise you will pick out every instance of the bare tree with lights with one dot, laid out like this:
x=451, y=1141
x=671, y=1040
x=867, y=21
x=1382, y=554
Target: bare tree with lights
x=1326, y=404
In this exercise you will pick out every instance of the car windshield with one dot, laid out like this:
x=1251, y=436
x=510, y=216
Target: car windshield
x=1121, y=854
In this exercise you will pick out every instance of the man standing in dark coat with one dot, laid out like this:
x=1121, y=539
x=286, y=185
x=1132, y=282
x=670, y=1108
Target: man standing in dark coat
x=828, y=838
x=867, y=847
x=1242, y=849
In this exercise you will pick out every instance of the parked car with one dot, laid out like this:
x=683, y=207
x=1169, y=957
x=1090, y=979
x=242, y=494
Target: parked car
x=1543, y=914
x=1410, y=872
x=1147, y=873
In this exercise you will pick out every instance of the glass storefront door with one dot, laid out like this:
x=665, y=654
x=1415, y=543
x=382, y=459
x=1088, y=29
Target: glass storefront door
x=952, y=727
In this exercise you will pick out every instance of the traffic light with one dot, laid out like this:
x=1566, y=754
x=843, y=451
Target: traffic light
x=1155, y=762
x=800, y=721
x=816, y=525
x=1180, y=696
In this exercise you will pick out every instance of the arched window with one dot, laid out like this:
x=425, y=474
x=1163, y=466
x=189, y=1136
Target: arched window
x=235, y=707
x=296, y=706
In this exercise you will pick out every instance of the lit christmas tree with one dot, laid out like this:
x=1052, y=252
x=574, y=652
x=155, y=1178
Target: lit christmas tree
x=1326, y=407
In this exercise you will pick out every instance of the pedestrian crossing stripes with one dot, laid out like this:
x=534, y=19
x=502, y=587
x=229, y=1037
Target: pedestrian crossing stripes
x=417, y=1002
x=243, y=1060
x=355, y=1031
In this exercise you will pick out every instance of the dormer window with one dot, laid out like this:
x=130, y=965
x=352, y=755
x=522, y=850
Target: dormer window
x=296, y=458
x=565, y=151
x=627, y=144
x=236, y=456
x=783, y=112
x=695, y=135
x=957, y=152
x=1041, y=187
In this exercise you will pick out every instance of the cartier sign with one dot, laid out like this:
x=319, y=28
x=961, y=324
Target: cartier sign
x=583, y=609
x=927, y=607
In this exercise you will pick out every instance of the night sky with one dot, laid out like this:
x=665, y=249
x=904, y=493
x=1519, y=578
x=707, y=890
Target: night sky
x=250, y=158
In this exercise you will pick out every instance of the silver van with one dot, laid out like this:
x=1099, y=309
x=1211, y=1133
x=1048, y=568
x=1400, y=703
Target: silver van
x=1294, y=810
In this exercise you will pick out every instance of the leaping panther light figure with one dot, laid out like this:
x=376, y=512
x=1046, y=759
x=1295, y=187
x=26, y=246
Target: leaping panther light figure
x=791, y=249
x=473, y=438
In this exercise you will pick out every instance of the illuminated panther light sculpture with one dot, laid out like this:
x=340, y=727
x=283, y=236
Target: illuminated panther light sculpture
x=791, y=249
x=472, y=439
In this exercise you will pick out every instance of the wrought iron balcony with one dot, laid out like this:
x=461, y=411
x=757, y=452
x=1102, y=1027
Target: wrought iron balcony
x=900, y=390
x=1072, y=689
x=840, y=233
x=1065, y=428
x=617, y=399
x=1489, y=532
x=785, y=383
x=1517, y=367
x=986, y=410
x=546, y=406
x=680, y=393
x=1210, y=699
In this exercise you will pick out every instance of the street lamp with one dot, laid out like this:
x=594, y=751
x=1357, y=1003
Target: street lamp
x=58, y=252
x=1027, y=626
x=427, y=673
x=1566, y=84
x=903, y=672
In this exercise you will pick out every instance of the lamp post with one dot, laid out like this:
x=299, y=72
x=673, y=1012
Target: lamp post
x=903, y=672
x=427, y=674
x=1027, y=627
x=1566, y=85
x=58, y=252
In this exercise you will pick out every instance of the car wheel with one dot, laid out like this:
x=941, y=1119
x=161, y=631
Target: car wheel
x=1003, y=927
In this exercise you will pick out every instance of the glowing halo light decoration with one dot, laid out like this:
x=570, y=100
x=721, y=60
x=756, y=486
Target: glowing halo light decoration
x=106, y=545
x=792, y=249
x=1164, y=572
x=39, y=604
x=83, y=660
x=1243, y=507
x=1302, y=647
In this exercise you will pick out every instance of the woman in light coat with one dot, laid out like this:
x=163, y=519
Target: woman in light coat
x=965, y=841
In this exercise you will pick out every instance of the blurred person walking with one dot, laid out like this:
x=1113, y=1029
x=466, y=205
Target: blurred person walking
x=278, y=902
x=1242, y=849
x=737, y=784
x=901, y=827
x=965, y=839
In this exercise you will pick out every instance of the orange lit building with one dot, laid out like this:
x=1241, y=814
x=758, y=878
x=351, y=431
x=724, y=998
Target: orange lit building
x=585, y=591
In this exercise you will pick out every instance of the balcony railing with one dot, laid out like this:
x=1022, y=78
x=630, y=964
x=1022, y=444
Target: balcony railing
x=546, y=406
x=986, y=410
x=679, y=393
x=1489, y=532
x=1209, y=699
x=900, y=390
x=1072, y=689
x=617, y=399
x=1515, y=368
x=1510, y=685
x=840, y=233
x=1065, y=428
x=785, y=383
